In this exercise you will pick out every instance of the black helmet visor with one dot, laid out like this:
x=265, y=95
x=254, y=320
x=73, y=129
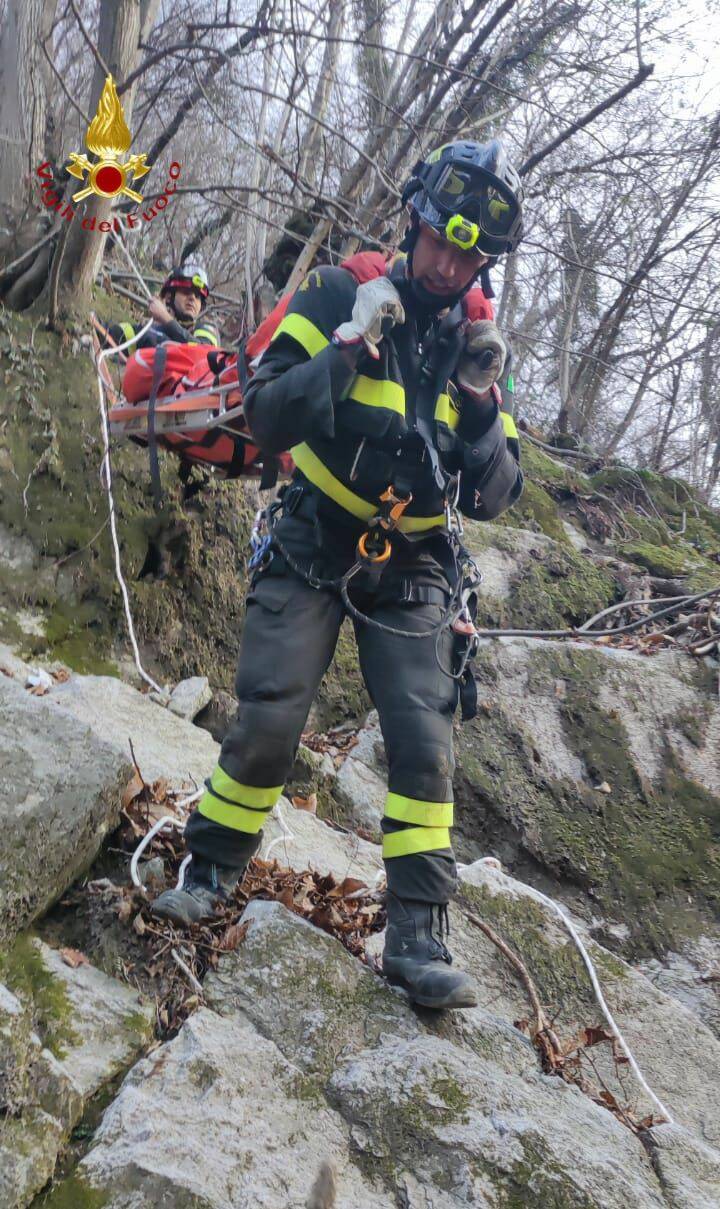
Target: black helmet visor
x=477, y=196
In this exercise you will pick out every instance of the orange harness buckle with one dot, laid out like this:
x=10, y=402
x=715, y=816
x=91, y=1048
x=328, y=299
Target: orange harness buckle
x=373, y=547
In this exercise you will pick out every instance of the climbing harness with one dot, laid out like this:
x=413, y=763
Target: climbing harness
x=373, y=555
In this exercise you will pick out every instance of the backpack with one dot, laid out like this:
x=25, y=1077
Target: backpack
x=203, y=422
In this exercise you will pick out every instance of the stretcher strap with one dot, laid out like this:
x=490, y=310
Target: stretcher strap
x=158, y=370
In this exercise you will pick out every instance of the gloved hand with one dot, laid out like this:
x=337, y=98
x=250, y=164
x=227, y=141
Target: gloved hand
x=377, y=308
x=483, y=358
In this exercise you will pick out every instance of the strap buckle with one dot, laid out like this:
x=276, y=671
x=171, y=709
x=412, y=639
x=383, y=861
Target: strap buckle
x=393, y=506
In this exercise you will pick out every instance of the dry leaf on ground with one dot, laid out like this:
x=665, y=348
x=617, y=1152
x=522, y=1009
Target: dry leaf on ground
x=73, y=958
x=309, y=803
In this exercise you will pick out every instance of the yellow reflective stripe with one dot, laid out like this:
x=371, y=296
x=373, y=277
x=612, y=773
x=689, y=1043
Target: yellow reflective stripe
x=509, y=425
x=413, y=810
x=208, y=334
x=321, y=477
x=228, y=815
x=244, y=795
x=418, y=524
x=304, y=331
x=128, y=330
x=378, y=394
x=445, y=413
x=415, y=839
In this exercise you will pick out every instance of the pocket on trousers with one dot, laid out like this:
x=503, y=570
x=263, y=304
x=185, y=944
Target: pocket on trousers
x=271, y=592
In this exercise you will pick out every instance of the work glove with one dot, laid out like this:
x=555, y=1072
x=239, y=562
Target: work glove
x=482, y=359
x=377, y=308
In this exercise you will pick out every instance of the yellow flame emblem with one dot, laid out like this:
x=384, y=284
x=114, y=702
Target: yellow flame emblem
x=108, y=137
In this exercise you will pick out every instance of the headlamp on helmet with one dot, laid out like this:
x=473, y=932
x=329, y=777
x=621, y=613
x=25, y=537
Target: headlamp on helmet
x=461, y=232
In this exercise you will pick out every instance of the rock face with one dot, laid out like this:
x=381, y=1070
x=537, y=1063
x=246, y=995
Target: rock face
x=601, y=767
x=217, y=1118
x=303, y=1056
x=164, y=745
x=304, y=842
x=64, y=1033
x=189, y=697
x=64, y=760
x=362, y=778
x=59, y=795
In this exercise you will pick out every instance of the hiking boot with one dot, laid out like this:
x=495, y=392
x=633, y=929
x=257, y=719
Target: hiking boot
x=416, y=958
x=204, y=886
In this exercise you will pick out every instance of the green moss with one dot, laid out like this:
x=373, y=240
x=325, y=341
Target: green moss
x=343, y=695
x=559, y=589
x=693, y=725
x=536, y=1179
x=72, y=1193
x=557, y=968
x=536, y=509
x=138, y=1025
x=647, y=852
x=455, y=1098
x=660, y=560
x=25, y=973
x=540, y=467
x=50, y=442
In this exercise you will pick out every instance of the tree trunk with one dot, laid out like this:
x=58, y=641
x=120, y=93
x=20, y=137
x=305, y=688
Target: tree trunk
x=119, y=32
x=22, y=98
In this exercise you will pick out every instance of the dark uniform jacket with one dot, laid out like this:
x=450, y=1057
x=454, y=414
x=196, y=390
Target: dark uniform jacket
x=350, y=431
x=162, y=333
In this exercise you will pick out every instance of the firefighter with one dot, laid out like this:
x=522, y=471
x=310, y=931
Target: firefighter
x=382, y=380
x=177, y=313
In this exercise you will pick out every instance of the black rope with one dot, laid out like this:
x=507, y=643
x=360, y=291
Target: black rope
x=341, y=584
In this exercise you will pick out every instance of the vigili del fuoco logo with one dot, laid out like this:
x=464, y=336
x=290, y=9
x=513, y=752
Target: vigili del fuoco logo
x=108, y=138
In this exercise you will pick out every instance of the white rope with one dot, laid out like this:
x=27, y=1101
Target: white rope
x=167, y=821
x=106, y=477
x=286, y=833
x=587, y=960
x=121, y=243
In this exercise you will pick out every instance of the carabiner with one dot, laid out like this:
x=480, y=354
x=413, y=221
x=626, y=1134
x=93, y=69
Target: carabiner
x=369, y=557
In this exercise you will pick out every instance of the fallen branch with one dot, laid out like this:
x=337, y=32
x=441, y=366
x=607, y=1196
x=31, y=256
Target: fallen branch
x=197, y=986
x=541, y=1022
x=555, y=451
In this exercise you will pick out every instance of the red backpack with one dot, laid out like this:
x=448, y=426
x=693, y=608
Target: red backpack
x=204, y=422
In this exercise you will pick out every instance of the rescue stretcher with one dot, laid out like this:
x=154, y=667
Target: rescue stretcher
x=197, y=412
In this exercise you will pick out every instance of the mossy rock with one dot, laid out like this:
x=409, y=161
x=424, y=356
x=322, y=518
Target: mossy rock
x=646, y=853
x=72, y=1193
x=50, y=444
x=666, y=561
x=541, y=467
x=23, y=970
x=670, y=561
x=536, y=510
x=562, y=589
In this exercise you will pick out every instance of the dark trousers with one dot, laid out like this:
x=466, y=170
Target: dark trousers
x=288, y=640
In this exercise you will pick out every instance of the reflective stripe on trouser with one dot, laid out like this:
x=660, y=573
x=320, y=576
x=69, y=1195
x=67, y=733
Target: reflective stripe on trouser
x=233, y=804
x=288, y=640
x=428, y=827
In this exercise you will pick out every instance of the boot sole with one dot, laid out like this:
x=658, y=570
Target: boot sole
x=455, y=1000
x=449, y=1003
x=176, y=915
